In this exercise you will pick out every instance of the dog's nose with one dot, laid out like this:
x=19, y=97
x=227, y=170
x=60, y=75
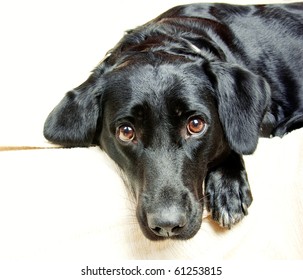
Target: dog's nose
x=166, y=223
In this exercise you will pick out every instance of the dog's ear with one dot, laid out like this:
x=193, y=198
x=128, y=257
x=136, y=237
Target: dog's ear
x=73, y=122
x=242, y=98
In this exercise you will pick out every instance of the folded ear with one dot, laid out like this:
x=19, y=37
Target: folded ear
x=243, y=98
x=73, y=122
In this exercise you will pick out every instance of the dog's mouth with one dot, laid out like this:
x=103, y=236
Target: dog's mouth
x=167, y=207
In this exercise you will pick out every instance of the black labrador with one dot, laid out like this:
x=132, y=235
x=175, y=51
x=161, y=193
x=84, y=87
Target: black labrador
x=180, y=99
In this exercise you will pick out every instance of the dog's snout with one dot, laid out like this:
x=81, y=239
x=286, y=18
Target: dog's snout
x=167, y=223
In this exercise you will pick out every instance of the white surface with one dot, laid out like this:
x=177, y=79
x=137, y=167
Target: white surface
x=70, y=204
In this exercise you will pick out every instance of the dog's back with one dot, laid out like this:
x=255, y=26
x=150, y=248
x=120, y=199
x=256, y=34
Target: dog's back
x=265, y=39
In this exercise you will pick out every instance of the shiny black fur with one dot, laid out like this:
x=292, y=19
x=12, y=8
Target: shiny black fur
x=238, y=68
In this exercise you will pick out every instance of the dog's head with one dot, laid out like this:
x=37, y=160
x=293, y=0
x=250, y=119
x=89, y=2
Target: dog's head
x=165, y=120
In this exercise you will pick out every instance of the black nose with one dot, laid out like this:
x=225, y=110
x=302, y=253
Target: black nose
x=166, y=223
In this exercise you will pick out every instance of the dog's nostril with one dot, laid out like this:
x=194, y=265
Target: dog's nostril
x=156, y=230
x=177, y=228
x=166, y=227
x=167, y=231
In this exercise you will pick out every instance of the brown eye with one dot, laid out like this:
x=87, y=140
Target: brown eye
x=195, y=125
x=126, y=133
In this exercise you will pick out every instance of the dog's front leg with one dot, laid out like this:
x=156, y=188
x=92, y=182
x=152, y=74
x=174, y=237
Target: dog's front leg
x=227, y=191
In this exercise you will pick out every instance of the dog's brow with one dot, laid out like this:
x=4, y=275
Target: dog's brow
x=120, y=119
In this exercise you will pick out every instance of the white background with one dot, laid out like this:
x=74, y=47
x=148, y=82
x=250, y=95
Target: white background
x=49, y=47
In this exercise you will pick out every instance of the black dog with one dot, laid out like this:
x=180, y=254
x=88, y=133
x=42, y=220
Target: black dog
x=179, y=100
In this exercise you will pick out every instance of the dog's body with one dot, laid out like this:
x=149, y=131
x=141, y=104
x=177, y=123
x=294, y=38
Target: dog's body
x=179, y=100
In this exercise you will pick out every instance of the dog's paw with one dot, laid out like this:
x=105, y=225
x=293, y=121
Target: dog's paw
x=227, y=196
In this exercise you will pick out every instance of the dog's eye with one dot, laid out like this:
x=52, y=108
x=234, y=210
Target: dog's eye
x=126, y=133
x=195, y=125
